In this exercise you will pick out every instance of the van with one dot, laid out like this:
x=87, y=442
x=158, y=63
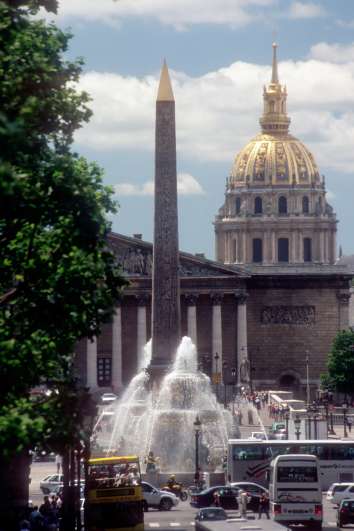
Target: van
x=340, y=491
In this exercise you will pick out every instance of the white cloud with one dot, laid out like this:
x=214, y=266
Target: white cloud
x=333, y=53
x=178, y=13
x=306, y=10
x=186, y=185
x=217, y=113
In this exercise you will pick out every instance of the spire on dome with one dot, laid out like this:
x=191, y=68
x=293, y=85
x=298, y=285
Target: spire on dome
x=275, y=78
x=165, y=92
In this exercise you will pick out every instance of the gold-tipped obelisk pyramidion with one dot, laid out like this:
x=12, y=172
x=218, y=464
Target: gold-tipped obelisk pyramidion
x=165, y=324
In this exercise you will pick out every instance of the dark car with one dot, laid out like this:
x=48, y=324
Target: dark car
x=345, y=513
x=228, y=496
x=211, y=514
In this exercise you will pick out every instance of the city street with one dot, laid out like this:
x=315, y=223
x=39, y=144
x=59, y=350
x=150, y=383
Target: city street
x=181, y=517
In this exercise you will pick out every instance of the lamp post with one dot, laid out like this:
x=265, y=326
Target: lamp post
x=216, y=358
x=297, y=422
x=345, y=409
x=224, y=369
x=233, y=374
x=307, y=379
x=197, y=425
x=287, y=424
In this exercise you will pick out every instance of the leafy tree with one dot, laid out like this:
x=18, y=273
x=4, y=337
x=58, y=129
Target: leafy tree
x=340, y=364
x=58, y=279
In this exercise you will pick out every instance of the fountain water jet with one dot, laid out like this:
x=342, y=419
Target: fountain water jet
x=162, y=420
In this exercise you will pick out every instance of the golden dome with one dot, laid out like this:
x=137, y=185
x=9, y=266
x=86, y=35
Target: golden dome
x=274, y=160
x=274, y=157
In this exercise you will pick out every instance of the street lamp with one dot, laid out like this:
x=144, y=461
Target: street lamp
x=216, y=358
x=345, y=409
x=233, y=374
x=307, y=379
x=224, y=369
x=297, y=422
x=287, y=424
x=197, y=426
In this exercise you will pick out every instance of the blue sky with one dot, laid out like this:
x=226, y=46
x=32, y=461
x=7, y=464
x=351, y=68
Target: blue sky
x=219, y=54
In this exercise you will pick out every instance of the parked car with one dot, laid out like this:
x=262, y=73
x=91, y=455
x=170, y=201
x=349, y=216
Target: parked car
x=211, y=514
x=258, y=436
x=108, y=397
x=228, y=495
x=51, y=483
x=345, y=513
x=340, y=491
x=158, y=499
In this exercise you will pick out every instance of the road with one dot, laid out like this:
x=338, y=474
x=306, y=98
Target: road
x=181, y=517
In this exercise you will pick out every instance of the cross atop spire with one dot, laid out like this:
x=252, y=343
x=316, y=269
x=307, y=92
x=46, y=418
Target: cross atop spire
x=275, y=78
x=165, y=92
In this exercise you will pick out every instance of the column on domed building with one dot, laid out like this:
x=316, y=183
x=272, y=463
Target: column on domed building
x=216, y=331
x=117, y=382
x=191, y=300
x=92, y=363
x=241, y=331
x=141, y=328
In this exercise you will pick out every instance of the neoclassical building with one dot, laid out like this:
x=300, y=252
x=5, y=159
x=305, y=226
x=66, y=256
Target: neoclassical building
x=275, y=208
x=274, y=294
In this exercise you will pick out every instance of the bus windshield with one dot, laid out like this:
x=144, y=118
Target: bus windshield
x=103, y=476
x=297, y=474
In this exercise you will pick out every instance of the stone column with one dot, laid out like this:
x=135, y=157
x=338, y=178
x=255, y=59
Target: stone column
x=244, y=247
x=241, y=332
x=274, y=250
x=293, y=247
x=91, y=379
x=321, y=236
x=117, y=382
x=343, y=309
x=217, y=331
x=191, y=300
x=141, y=329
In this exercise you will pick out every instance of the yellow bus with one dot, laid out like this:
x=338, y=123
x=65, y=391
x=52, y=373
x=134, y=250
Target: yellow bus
x=114, y=498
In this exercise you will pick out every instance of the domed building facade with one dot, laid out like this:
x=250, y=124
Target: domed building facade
x=275, y=208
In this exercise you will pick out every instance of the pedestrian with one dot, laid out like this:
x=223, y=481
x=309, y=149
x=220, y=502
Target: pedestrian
x=36, y=519
x=58, y=462
x=25, y=525
x=242, y=503
x=216, y=498
x=263, y=505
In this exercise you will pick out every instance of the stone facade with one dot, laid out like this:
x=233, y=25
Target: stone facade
x=273, y=315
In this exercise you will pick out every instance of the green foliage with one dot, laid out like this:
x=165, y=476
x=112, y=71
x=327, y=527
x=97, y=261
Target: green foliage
x=58, y=280
x=340, y=364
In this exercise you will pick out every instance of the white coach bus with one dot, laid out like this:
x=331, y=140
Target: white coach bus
x=249, y=460
x=295, y=493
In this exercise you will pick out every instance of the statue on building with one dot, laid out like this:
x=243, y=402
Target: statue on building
x=245, y=370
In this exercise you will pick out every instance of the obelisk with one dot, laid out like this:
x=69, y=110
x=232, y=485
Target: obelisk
x=165, y=324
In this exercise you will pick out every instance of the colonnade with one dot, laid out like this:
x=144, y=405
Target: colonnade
x=191, y=300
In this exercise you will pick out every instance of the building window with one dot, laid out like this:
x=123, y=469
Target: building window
x=305, y=205
x=282, y=205
x=307, y=250
x=258, y=205
x=104, y=372
x=283, y=250
x=238, y=205
x=257, y=250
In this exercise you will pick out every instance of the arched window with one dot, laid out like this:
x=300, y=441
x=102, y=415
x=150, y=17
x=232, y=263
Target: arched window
x=258, y=205
x=283, y=250
x=305, y=205
x=282, y=205
x=238, y=205
x=307, y=250
x=257, y=250
x=271, y=106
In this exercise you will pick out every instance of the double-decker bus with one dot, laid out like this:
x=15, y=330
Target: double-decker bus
x=113, y=495
x=249, y=460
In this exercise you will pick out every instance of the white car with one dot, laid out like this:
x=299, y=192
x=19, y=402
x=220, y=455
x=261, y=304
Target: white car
x=340, y=491
x=158, y=499
x=108, y=397
x=51, y=483
x=258, y=436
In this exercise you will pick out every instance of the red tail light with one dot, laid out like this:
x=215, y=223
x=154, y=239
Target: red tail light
x=344, y=510
x=318, y=510
x=194, y=498
x=277, y=508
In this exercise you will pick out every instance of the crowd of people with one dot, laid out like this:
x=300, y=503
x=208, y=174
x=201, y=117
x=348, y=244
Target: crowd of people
x=278, y=411
x=43, y=518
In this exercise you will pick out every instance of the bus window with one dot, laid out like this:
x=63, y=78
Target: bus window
x=297, y=474
x=248, y=453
